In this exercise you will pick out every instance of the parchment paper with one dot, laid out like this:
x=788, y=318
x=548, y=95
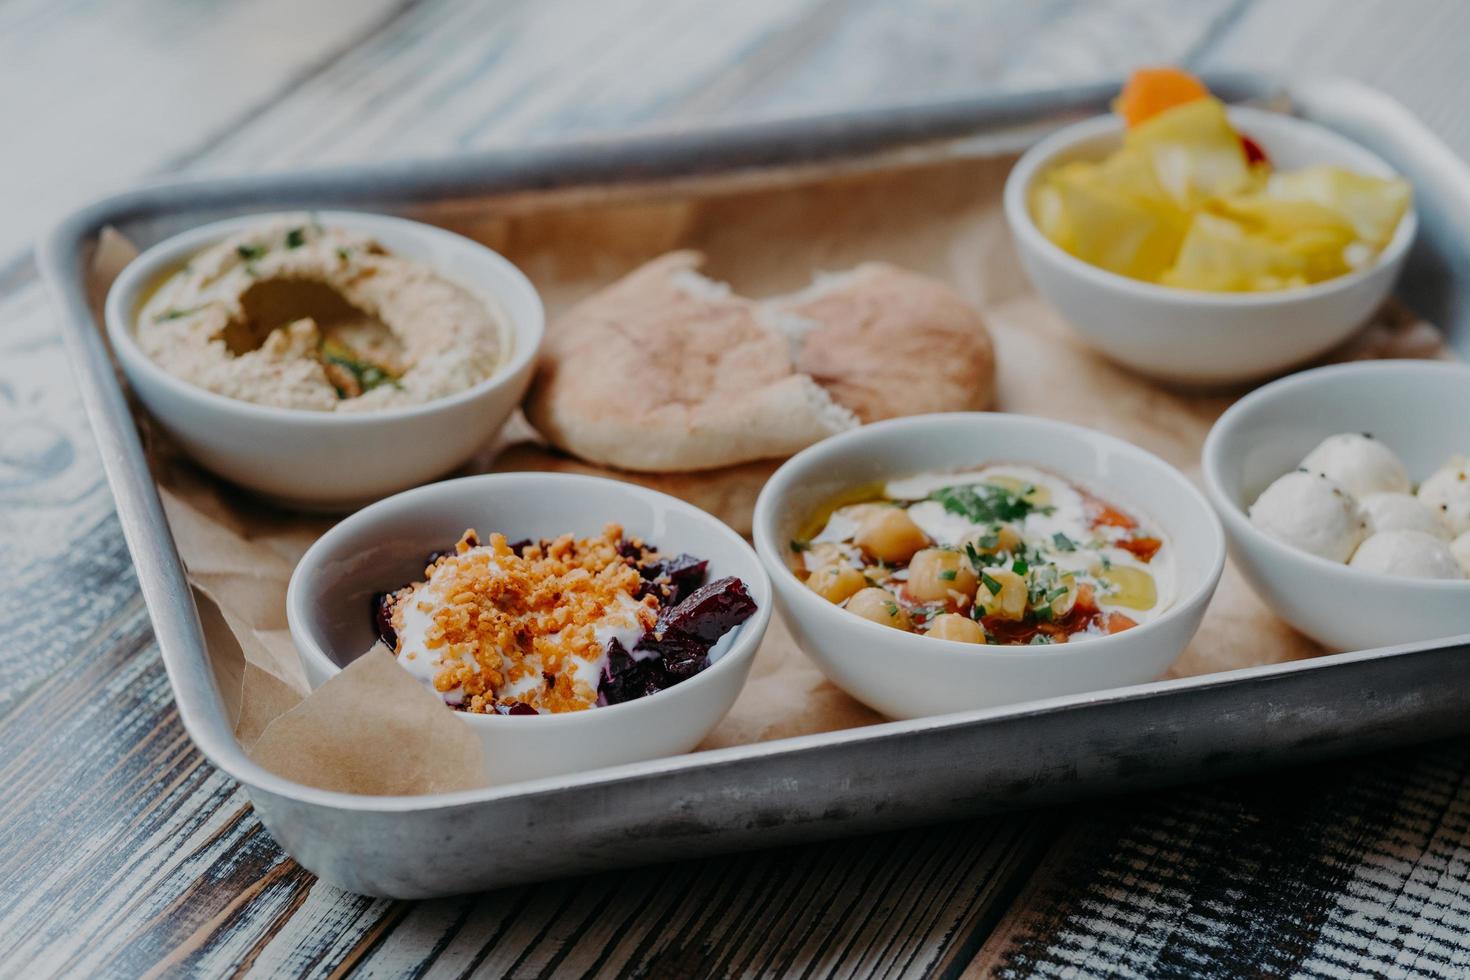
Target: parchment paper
x=935, y=211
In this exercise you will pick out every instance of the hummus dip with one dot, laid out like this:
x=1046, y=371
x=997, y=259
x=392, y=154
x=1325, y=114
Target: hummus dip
x=297, y=315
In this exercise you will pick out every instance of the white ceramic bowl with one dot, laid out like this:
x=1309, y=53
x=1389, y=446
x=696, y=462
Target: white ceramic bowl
x=905, y=675
x=1421, y=410
x=383, y=546
x=326, y=460
x=1193, y=336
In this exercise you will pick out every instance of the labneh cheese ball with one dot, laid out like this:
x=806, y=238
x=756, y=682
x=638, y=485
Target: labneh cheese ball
x=1359, y=463
x=1311, y=512
x=1408, y=554
x=1460, y=548
x=1402, y=512
x=1448, y=491
x=1351, y=501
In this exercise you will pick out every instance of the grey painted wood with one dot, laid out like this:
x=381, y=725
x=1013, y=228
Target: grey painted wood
x=124, y=851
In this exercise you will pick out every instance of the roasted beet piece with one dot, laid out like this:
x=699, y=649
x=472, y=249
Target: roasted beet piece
x=515, y=708
x=383, y=619
x=626, y=679
x=670, y=578
x=708, y=613
x=682, y=656
x=684, y=572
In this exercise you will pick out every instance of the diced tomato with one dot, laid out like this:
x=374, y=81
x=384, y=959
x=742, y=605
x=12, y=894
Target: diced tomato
x=1117, y=623
x=1086, y=600
x=1144, y=548
x=1253, y=152
x=1104, y=514
x=1107, y=516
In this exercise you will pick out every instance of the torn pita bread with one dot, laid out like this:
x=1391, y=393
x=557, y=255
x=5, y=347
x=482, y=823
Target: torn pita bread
x=666, y=371
x=728, y=493
x=885, y=343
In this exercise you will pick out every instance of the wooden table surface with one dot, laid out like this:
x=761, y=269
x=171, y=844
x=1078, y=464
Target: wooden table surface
x=123, y=852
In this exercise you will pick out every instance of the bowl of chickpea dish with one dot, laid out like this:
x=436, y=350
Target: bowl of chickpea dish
x=951, y=562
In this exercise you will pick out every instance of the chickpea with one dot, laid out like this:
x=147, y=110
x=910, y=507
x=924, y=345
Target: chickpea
x=890, y=535
x=1003, y=538
x=936, y=572
x=1007, y=602
x=1063, y=604
x=836, y=582
x=881, y=606
x=953, y=626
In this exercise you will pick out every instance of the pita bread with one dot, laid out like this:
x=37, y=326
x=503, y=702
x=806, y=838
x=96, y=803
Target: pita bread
x=728, y=493
x=666, y=371
x=885, y=343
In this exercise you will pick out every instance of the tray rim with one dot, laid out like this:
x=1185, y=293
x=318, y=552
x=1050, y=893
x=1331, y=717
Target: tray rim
x=701, y=151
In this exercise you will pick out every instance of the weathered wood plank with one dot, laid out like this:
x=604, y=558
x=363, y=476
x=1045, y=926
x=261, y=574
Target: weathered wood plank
x=1355, y=867
x=100, y=93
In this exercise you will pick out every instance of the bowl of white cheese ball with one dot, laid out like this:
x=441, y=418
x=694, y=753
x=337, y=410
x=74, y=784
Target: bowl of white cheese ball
x=1345, y=496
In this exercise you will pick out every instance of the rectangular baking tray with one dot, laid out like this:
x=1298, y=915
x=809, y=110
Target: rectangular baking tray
x=819, y=786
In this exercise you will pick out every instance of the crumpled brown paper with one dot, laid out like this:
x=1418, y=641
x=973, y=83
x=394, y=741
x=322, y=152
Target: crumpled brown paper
x=372, y=729
x=935, y=211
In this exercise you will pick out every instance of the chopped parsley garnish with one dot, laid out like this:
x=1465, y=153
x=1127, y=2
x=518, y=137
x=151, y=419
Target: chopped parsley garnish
x=1056, y=593
x=1020, y=567
x=296, y=237
x=251, y=252
x=344, y=253
x=892, y=608
x=1107, y=563
x=990, y=583
x=367, y=375
x=948, y=575
x=176, y=314
x=976, y=561
x=985, y=503
x=1063, y=542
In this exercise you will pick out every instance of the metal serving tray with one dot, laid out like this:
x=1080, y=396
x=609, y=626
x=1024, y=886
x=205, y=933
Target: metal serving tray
x=818, y=786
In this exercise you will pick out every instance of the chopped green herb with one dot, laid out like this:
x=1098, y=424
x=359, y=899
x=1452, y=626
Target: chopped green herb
x=976, y=561
x=800, y=546
x=250, y=252
x=1107, y=563
x=1056, y=593
x=1063, y=542
x=990, y=583
x=296, y=237
x=892, y=608
x=948, y=575
x=985, y=503
x=344, y=253
x=1020, y=567
x=1042, y=614
x=367, y=374
x=176, y=314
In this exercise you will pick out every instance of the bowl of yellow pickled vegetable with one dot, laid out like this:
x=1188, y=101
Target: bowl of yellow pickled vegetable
x=1207, y=244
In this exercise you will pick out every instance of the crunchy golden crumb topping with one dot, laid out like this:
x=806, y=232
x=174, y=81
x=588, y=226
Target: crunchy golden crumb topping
x=523, y=628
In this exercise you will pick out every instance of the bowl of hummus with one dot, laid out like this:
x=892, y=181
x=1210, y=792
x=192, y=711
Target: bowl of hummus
x=325, y=359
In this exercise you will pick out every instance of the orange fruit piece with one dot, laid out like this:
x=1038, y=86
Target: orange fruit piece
x=1150, y=91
